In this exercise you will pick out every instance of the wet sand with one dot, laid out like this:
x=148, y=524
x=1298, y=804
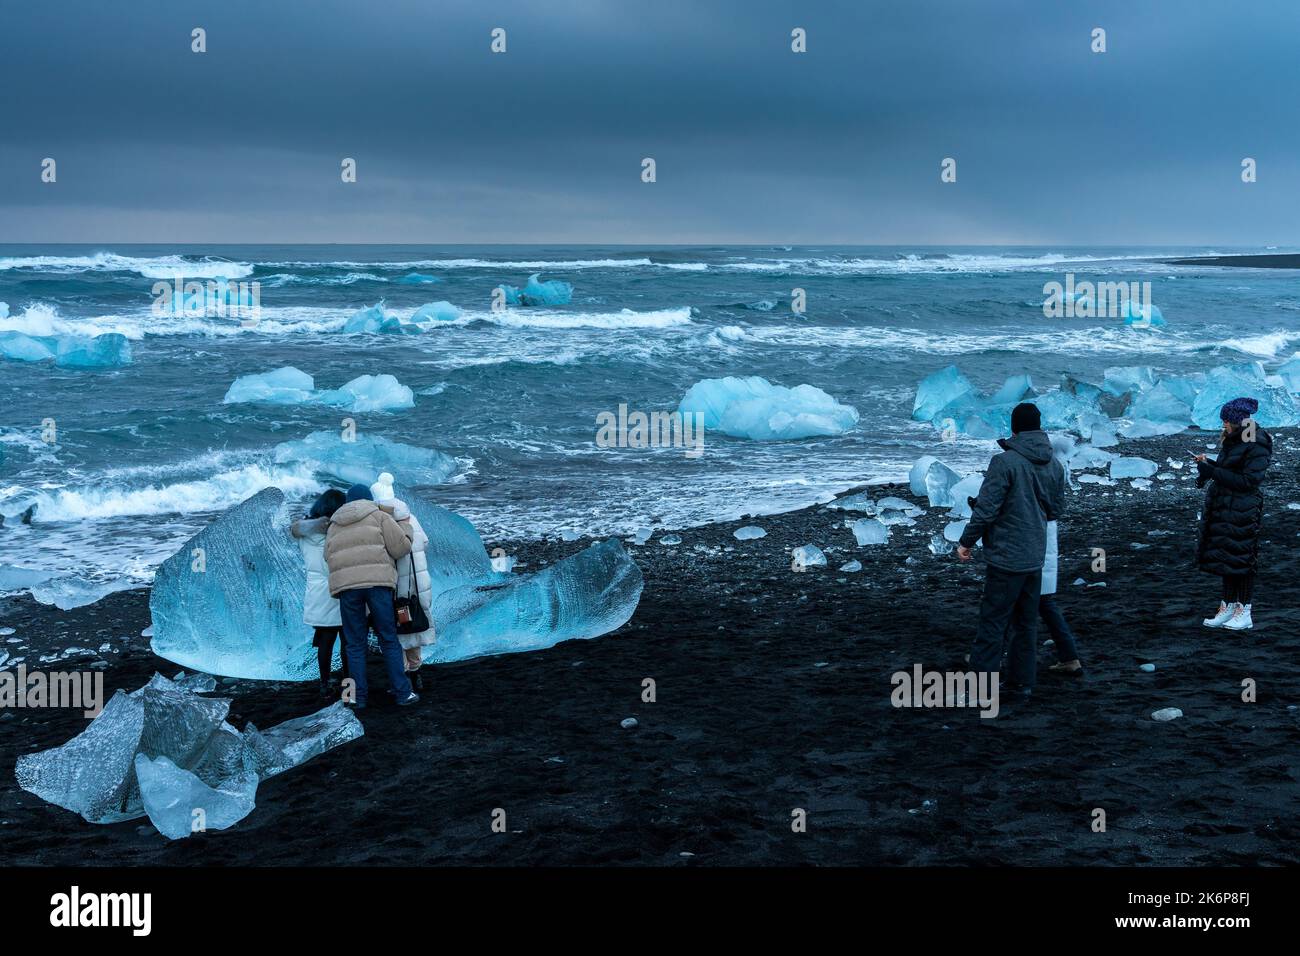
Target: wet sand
x=773, y=693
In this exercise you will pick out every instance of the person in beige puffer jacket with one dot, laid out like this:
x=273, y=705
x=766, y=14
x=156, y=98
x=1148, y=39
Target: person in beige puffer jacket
x=362, y=548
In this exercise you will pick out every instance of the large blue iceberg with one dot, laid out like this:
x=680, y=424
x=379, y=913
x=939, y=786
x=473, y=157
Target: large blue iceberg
x=755, y=408
x=949, y=401
x=166, y=752
x=242, y=615
x=536, y=292
x=109, y=350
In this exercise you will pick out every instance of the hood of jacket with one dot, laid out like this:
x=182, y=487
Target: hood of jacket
x=1034, y=445
x=354, y=511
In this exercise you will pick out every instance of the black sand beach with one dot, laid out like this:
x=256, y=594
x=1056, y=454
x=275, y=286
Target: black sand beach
x=1285, y=261
x=773, y=693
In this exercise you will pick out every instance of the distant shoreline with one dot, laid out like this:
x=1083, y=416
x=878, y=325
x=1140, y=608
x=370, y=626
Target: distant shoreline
x=1287, y=261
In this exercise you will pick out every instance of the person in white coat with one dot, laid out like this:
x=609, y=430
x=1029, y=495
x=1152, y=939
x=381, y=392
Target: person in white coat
x=1067, y=653
x=413, y=577
x=320, y=609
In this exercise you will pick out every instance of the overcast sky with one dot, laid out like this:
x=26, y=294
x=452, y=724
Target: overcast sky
x=753, y=143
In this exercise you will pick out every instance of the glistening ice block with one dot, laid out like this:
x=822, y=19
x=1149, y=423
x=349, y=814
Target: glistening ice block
x=242, y=616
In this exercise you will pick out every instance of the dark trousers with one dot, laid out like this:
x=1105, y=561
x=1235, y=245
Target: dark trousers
x=1238, y=588
x=383, y=618
x=1066, y=650
x=324, y=639
x=1009, y=604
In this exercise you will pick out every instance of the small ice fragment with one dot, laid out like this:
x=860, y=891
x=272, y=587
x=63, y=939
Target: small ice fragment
x=749, y=533
x=569, y=535
x=502, y=563
x=860, y=502
x=642, y=535
x=627, y=723
x=953, y=530
x=1095, y=480
x=869, y=531
x=1141, y=484
x=1079, y=581
x=851, y=566
x=6, y=631
x=900, y=504
x=809, y=556
x=671, y=539
x=1167, y=713
x=1148, y=668
x=940, y=545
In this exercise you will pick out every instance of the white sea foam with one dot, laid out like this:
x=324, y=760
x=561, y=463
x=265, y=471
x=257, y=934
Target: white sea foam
x=159, y=267
x=100, y=499
x=1268, y=345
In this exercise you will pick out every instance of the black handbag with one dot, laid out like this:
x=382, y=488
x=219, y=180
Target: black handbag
x=411, y=618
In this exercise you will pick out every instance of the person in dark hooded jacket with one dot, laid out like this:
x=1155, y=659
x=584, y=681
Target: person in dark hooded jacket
x=1022, y=490
x=1233, y=511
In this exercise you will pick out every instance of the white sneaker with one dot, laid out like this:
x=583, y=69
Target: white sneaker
x=1225, y=612
x=1240, y=620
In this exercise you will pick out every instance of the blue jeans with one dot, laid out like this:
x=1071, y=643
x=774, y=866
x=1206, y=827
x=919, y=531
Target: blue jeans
x=1051, y=614
x=353, y=605
x=1009, y=607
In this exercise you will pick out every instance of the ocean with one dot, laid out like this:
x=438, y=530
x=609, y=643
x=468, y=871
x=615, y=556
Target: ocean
x=146, y=454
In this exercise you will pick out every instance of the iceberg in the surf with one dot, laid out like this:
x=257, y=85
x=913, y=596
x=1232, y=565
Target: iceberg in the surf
x=290, y=386
x=1277, y=407
x=938, y=391
x=755, y=408
x=373, y=320
x=949, y=401
x=536, y=292
x=241, y=616
x=436, y=312
x=360, y=460
x=109, y=350
x=284, y=386
x=164, y=751
x=369, y=393
x=1141, y=316
x=26, y=348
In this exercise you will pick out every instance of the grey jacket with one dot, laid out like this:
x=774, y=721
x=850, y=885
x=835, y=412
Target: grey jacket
x=1023, y=490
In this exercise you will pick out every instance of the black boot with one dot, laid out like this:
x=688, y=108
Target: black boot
x=325, y=688
x=416, y=678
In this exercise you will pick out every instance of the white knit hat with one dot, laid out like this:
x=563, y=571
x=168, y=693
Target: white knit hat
x=383, y=488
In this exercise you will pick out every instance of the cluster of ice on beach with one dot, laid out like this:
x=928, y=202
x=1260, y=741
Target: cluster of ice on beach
x=1132, y=401
x=109, y=350
x=165, y=752
x=755, y=408
x=291, y=386
x=238, y=611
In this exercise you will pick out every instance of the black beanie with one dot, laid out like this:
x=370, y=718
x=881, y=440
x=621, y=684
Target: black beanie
x=1025, y=418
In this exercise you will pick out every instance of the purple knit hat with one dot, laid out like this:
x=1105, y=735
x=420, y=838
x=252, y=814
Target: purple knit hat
x=1238, y=410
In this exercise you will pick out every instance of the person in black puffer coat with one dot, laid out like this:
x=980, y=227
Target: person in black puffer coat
x=1233, y=511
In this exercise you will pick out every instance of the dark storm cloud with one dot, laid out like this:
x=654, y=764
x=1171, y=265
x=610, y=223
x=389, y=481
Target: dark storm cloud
x=753, y=142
